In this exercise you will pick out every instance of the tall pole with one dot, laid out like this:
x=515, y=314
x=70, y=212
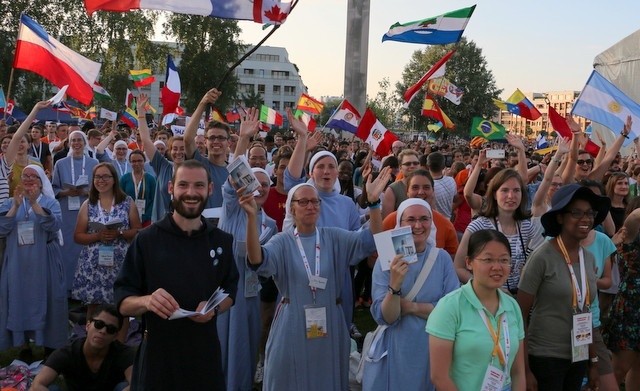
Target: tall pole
x=357, y=53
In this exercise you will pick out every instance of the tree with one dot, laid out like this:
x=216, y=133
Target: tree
x=329, y=107
x=385, y=105
x=467, y=69
x=252, y=99
x=210, y=47
x=113, y=39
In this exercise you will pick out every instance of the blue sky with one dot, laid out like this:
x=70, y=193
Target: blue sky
x=536, y=46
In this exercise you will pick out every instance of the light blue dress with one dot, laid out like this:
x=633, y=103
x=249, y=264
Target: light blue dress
x=406, y=366
x=292, y=361
x=162, y=200
x=339, y=211
x=33, y=298
x=62, y=174
x=239, y=328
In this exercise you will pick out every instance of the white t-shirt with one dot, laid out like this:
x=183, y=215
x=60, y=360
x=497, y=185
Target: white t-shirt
x=445, y=189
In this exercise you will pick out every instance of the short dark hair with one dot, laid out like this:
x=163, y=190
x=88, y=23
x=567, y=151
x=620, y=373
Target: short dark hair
x=420, y=172
x=218, y=125
x=111, y=310
x=479, y=239
x=191, y=163
x=435, y=161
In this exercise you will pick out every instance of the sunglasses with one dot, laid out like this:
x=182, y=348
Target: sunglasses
x=588, y=161
x=411, y=163
x=100, y=324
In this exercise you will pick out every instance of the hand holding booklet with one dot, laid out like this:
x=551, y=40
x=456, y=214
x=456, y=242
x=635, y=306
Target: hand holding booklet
x=215, y=299
x=111, y=224
x=242, y=175
x=393, y=242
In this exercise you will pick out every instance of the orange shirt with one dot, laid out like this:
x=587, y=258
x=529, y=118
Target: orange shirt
x=446, y=237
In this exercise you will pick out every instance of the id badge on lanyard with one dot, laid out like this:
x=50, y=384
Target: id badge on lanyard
x=315, y=318
x=105, y=256
x=25, y=233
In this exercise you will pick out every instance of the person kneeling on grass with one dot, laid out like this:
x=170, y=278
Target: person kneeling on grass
x=97, y=362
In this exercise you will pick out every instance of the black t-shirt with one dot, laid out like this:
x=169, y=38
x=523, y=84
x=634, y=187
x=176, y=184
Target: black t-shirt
x=617, y=214
x=70, y=362
x=43, y=151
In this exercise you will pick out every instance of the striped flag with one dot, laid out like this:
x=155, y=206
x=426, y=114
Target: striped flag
x=99, y=92
x=270, y=116
x=142, y=77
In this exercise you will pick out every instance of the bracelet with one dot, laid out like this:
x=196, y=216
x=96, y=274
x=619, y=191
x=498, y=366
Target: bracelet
x=553, y=158
x=624, y=135
x=393, y=291
x=373, y=205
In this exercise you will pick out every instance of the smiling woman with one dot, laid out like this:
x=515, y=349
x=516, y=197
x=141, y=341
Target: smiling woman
x=562, y=298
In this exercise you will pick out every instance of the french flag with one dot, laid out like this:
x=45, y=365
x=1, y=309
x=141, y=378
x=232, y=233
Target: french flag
x=260, y=11
x=38, y=52
x=170, y=94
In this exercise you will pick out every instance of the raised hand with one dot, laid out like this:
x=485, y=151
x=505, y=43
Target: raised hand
x=375, y=188
x=573, y=125
x=514, y=141
x=249, y=124
x=211, y=96
x=315, y=139
x=564, y=144
x=247, y=201
x=297, y=124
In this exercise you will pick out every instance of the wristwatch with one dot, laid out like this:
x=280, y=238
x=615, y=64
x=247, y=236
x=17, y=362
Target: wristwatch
x=393, y=291
x=594, y=359
x=120, y=233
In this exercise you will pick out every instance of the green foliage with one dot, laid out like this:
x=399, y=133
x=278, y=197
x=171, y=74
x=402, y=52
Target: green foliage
x=467, y=69
x=210, y=47
x=113, y=39
x=252, y=99
x=329, y=107
x=385, y=105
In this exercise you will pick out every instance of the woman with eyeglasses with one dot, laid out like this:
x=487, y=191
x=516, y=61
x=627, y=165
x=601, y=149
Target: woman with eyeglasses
x=140, y=185
x=557, y=287
x=397, y=191
x=308, y=346
x=108, y=220
x=33, y=298
x=404, y=343
x=478, y=329
x=71, y=180
x=617, y=188
x=506, y=200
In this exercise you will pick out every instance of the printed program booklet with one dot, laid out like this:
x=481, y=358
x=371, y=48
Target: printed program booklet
x=241, y=174
x=215, y=299
x=393, y=242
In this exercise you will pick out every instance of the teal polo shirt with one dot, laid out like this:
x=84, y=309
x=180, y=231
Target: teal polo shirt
x=456, y=318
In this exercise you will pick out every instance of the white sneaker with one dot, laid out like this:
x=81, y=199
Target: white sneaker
x=259, y=375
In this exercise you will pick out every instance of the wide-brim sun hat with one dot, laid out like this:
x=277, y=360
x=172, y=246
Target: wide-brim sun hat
x=563, y=197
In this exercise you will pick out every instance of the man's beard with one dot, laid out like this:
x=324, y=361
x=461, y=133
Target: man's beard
x=189, y=213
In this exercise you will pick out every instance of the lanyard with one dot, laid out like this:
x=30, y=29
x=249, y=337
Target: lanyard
x=306, y=261
x=503, y=355
x=578, y=299
x=121, y=171
x=263, y=225
x=37, y=152
x=73, y=169
x=27, y=212
x=137, y=186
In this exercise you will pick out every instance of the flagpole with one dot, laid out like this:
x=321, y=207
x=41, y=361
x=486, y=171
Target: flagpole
x=332, y=115
x=250, y=52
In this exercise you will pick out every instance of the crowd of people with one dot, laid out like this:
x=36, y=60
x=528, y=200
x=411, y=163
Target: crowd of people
x=521, y=275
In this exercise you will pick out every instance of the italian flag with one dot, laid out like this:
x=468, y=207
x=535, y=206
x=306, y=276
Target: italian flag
x=270, y=116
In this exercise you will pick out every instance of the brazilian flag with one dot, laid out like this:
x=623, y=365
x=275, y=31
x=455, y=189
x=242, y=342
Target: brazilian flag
x=486, y=129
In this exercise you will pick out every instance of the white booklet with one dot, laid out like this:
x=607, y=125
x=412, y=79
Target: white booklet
x=393, y=242
x=241, y=174
x=215, y=299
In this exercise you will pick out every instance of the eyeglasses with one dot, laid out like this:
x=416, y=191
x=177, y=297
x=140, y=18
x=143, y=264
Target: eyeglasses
x=304, y=202
x=490, y=261
x=100, y=324
x=411, y=163
x=102, y=177
x=578, y=214
x=29, y=177
x=218, y=138
x=587, y=161
x=556, y=184
x=422, y=220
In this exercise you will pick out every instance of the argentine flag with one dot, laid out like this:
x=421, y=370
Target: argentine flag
x=602, y=102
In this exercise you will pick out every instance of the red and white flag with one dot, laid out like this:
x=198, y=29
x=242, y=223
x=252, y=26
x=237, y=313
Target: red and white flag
x=437, y=70
x=375, y=134
x=39, y=52
x=170, y=93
